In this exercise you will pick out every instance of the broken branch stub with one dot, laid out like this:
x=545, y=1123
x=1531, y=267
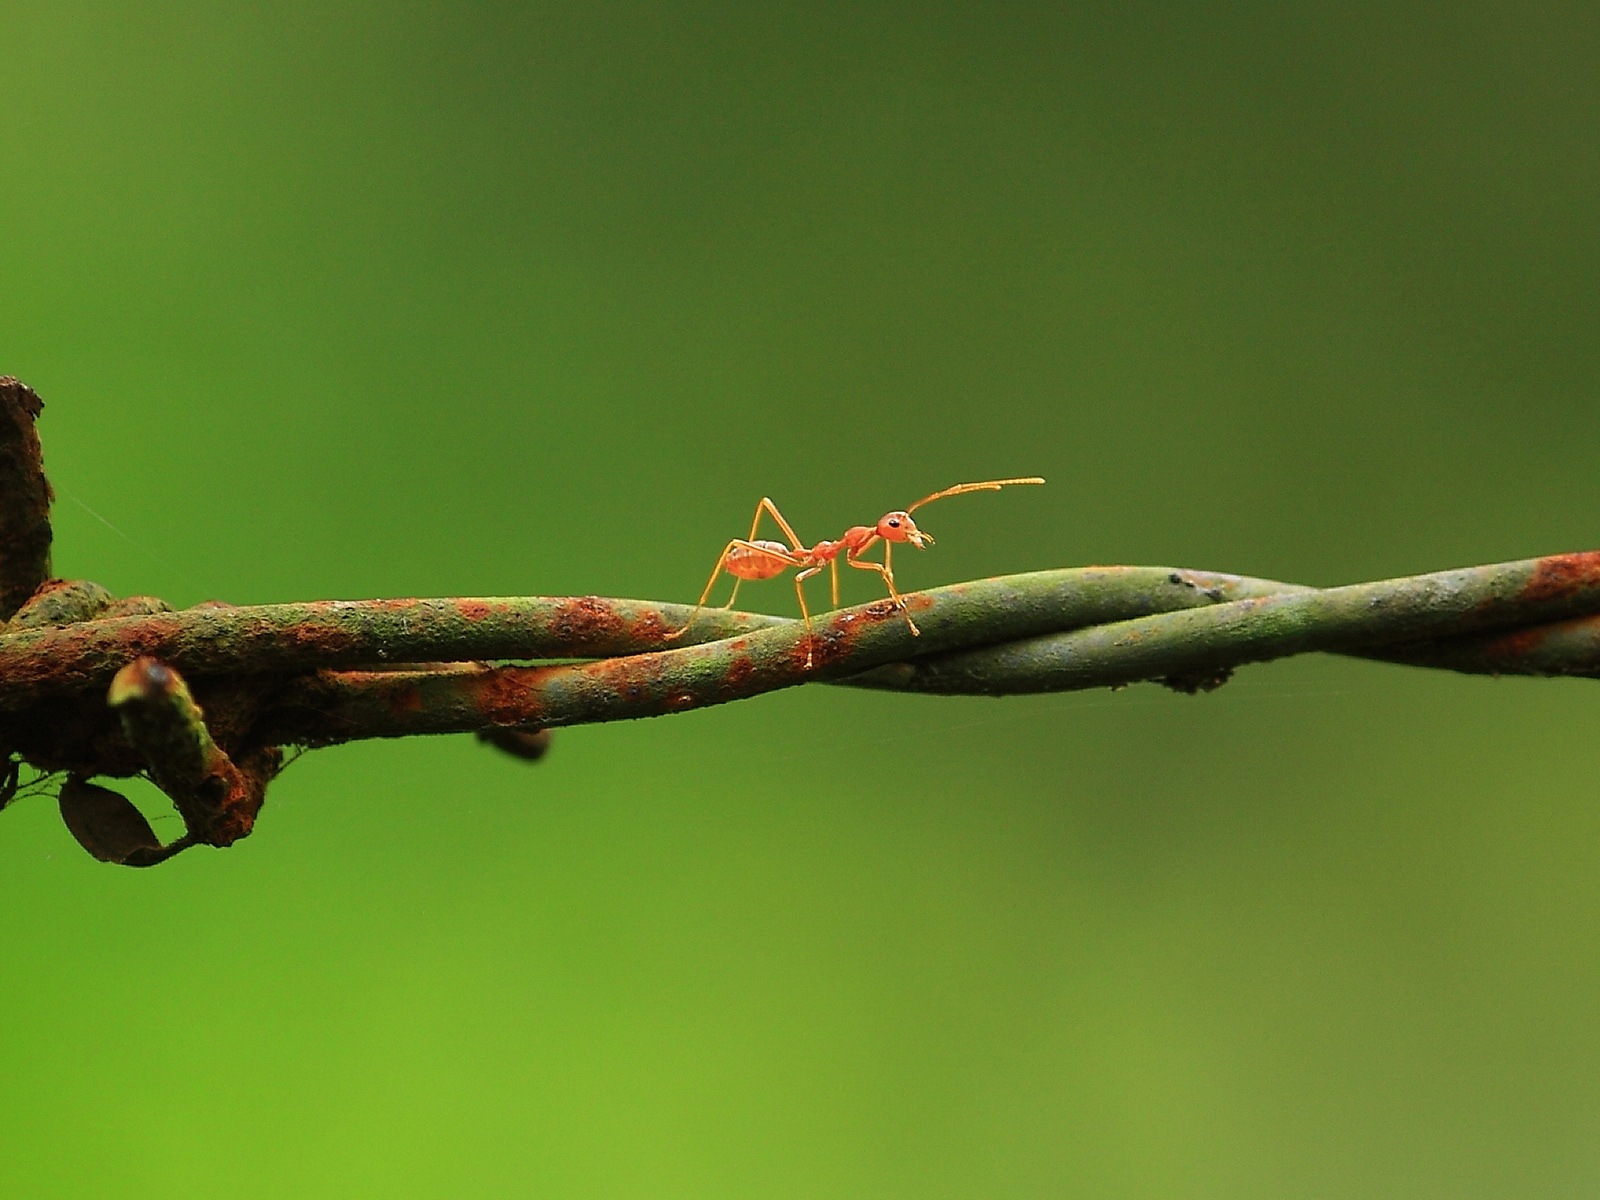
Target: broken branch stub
x=217, y=798
x=25, y=498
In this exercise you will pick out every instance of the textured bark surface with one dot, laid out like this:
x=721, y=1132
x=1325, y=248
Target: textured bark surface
x=25, y=498
x=201, y=701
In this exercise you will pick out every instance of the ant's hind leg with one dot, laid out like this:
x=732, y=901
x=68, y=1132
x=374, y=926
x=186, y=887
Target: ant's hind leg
x=782, y=558
x=706, y=595
x=767, y=506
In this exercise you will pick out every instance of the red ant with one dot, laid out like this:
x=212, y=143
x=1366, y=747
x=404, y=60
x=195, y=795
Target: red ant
x=746, y=558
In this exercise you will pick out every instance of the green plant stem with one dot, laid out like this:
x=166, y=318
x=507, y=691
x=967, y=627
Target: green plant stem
x=278, y=638
x=991, y=634
x=1203, y=644
x=1198, y=644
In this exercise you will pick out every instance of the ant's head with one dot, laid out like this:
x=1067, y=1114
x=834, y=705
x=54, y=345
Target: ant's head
x=899, y=527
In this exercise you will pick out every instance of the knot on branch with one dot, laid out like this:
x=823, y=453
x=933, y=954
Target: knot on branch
x=60, y=602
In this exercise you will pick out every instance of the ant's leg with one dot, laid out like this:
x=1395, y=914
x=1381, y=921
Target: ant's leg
x=887, y=571
x=888, y=579
x=767, y=506
x=706, y=595
x=888, y=574
x=788, y=560
x=734, y=595
x=833, y=565
x=800, y=592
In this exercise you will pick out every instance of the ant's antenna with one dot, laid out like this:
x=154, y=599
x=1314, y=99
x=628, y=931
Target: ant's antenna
x=991, y=485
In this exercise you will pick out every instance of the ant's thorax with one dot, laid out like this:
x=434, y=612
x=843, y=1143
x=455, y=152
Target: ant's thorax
x=856, y=538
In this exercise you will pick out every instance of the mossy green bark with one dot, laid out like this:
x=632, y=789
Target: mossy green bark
x=1210, y=625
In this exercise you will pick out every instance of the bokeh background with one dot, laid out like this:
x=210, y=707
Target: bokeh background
x=347, y=300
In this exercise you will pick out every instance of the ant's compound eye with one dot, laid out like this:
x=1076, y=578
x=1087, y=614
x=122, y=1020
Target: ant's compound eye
x=894, y=524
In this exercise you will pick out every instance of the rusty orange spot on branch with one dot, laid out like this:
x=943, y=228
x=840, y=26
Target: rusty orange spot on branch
x=739, y=672
x=508, y=695
x=1519, y=644
x=633, y=676
x=1560, y=575
x=50, y=586
x=649, y=629
x=586, y=619
x=322, y=640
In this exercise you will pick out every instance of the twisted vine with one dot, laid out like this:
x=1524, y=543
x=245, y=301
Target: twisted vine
x=203, y=701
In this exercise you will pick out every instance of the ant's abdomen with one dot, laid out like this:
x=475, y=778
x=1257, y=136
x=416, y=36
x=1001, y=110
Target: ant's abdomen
x=758, y=560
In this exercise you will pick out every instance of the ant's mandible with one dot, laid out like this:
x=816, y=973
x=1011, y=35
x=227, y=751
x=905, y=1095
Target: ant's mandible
x=746, y=558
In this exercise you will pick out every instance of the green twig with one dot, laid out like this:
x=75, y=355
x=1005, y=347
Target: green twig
x=323, y=672
x=1187, y=647
x=278, y=638
x=1444, y=610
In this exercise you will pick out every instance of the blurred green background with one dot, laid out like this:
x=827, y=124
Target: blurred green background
x=459, y=299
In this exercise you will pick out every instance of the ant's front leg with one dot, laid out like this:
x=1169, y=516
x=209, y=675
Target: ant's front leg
x=888, y=579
